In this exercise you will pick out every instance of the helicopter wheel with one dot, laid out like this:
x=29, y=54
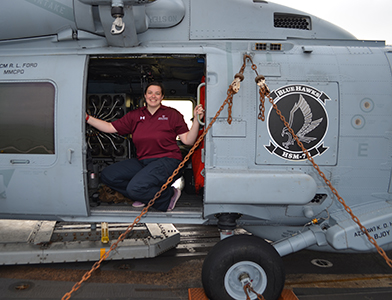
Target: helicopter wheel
x=238, y=257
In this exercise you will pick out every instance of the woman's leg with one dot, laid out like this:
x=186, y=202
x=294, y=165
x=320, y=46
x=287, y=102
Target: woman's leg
x=148, y=181
x=118, y=175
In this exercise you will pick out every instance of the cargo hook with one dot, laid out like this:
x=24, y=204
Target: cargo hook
x=118, y=25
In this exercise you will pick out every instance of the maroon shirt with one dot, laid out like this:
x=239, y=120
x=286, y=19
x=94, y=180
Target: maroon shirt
x=153, y=135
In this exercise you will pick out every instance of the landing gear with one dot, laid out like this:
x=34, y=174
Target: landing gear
x=238, y=259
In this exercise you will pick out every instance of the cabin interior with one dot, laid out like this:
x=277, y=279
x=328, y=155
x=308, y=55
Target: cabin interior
x=115, y=86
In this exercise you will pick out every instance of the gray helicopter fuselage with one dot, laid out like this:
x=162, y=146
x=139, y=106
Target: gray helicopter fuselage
x=334, y=90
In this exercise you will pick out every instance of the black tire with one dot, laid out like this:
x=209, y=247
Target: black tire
x=239, y=254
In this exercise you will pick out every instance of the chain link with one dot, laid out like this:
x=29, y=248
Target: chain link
x=261, y=106
x=229, y=105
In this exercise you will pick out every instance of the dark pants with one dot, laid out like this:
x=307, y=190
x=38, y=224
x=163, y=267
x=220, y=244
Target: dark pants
x=141, y=180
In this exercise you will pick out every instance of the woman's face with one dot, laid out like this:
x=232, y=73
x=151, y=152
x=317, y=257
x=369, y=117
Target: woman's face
x=153, y=96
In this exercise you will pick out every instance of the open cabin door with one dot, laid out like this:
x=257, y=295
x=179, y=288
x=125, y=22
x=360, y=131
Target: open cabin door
x=41, y=136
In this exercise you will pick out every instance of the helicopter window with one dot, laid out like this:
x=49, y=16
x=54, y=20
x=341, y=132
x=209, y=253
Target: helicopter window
x=185, y=107
x=27, y=118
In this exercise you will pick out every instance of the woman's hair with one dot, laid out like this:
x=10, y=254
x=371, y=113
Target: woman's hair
x=156, y=84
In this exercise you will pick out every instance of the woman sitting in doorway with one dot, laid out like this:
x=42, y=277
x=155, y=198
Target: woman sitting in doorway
x=154, y=130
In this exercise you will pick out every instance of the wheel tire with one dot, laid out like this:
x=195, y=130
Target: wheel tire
x=238, y=254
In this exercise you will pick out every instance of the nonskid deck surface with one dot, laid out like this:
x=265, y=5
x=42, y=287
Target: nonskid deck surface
x=167, y=277
x=316, y=275
x=170, y=275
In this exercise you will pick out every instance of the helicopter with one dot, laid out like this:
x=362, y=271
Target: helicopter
x=61, y=59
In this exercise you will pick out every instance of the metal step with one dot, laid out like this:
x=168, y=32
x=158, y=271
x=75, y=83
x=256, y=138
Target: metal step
x=37, y=242
x=188, y=210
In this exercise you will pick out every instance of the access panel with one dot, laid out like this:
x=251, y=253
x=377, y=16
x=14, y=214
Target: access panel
x=311, y=110
x=41, y=140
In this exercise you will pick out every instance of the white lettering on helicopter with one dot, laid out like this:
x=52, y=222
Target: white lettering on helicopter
x=378, y=231
x=293, y=156
x=16, y=68
x=298, y=88
x=308, y=90
x=286, y=90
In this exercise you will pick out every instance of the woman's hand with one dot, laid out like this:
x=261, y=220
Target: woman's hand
x=189, y=138
x=198, y=111
x=101, y=125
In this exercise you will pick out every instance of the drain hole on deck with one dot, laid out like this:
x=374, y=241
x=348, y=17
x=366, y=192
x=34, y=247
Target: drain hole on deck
x=322, y=263
x=21, y=286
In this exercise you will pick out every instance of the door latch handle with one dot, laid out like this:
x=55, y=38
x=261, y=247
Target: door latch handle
x=19, y=161
x=69, y=155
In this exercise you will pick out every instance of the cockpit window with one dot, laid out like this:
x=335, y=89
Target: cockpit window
x=27, y=118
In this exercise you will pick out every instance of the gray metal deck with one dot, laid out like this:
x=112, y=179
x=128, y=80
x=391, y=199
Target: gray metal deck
x=169, y=276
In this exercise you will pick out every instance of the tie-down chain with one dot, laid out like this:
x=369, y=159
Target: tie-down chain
x=87, y=275
x=265, y=92
x=232, y=90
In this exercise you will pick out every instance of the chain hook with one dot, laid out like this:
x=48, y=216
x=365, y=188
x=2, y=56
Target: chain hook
x=248, y=288
x=236, y=84
x=264, y=91
x=233, y=89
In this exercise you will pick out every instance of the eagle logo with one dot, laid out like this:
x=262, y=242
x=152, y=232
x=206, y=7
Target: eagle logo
x=303, y=107
x=308, y=126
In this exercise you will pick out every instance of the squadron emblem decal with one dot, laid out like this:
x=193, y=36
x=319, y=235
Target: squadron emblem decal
x=304, y=109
